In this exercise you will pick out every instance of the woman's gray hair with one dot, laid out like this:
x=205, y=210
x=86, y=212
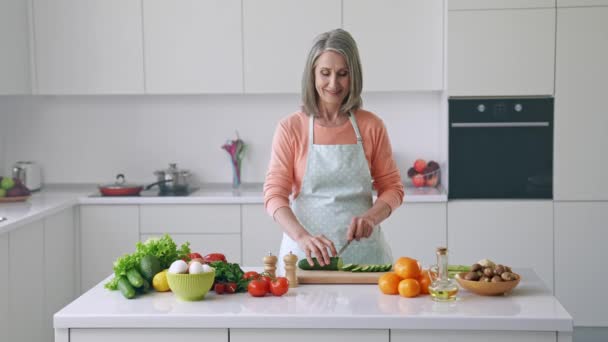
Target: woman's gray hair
x=343, y=43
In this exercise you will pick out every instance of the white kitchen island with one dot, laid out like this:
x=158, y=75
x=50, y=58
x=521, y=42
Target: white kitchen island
x=317, y=313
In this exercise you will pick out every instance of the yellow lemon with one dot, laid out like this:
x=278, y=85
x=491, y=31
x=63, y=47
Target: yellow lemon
x=159, y=282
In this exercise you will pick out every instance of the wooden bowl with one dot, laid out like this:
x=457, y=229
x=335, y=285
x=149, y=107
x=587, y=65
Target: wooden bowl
x=487, y=289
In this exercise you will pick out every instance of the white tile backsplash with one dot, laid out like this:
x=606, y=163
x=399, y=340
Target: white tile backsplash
x=92, y=138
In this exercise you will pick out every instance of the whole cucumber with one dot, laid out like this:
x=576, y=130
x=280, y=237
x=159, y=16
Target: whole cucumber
x=145, y=288
x=335, y=264
x=125, y=287
x=135, y=278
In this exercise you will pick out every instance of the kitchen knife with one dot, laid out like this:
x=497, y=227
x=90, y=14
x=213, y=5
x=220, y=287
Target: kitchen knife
x=343, y=248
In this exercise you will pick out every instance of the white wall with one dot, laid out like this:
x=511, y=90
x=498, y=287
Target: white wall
x=83, y=139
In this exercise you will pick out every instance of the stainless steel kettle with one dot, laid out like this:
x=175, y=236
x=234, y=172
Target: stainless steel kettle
x=29, y=173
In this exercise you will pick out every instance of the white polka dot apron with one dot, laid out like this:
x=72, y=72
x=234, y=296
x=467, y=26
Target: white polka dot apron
x=337, y=186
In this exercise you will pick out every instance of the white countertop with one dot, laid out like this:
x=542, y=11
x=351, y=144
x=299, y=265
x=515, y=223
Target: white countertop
x=56, y=197
x=41, y=204
x=529, y=307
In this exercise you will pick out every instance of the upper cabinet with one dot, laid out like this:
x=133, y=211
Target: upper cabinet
x=581, y=124
x=400, y=42
x=277, y=37
x=88, y=46
x=14, y=43
x=581, y=3
x=494, y=52
x=193, y=46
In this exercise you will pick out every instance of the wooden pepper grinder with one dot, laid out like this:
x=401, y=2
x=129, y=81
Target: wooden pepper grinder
x=270, y=265
x=290, y=269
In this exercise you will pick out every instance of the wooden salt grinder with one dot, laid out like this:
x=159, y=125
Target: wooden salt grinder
x=270, y=265
x=290, y=269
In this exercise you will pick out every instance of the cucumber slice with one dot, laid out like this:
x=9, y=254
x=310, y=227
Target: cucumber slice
x=375, y=268
x=356, y=268
x=388, y=267
x=365, y=268
x=348, y=267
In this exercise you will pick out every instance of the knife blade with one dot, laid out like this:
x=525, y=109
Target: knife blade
x=343, y=248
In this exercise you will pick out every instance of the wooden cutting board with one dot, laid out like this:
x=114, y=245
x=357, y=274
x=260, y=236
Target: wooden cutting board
x=337, y=277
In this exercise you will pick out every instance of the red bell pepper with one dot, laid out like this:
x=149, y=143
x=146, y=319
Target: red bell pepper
x=214, y=257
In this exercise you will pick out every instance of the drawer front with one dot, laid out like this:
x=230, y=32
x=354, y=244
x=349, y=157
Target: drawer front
x=227, y=244
x=307, y=335
x=186, y=218
x=149, y=335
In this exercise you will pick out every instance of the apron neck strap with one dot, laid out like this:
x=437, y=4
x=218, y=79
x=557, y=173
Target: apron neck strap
x=311, y=126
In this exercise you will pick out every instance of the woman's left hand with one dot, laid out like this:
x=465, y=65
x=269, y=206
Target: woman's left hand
x=360, y=227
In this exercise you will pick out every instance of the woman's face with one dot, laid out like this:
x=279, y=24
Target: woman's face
x=332, y=80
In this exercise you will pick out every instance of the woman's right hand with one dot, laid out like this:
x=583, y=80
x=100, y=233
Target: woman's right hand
x=318, y=246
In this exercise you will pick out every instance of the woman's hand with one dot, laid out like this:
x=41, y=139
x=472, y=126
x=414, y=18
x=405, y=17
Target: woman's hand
x=360, y=227
x=318, y=246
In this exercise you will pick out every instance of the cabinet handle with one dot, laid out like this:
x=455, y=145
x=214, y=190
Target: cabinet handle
x=499, y=124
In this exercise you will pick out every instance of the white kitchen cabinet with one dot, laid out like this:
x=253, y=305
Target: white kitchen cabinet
x=106, y=233
x=579, y=3
x=208, y=227
x=14, y=42
x=191, y=218
x=581, y=124
x=88, y=46
x=277, y=37
x=59, y=266
x=227, y=244
x=261, y=234
x=307, y=335
x=509, y=232
x=26, y=283
x=498, y=4
x=580, y=243
x=471, y=336
x=501, y=52
x=416, y=230
x=148, y=335
x=400, y=42
x=184, y=52
x=4, y=287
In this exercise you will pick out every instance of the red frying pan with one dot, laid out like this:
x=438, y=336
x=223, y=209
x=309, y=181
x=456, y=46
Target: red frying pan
x=120, y=188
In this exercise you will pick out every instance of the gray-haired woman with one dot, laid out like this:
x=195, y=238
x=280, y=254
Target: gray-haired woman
x=329, y=157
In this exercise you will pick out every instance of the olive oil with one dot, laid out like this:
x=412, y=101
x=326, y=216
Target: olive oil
x=443, y=289
x=443, y=295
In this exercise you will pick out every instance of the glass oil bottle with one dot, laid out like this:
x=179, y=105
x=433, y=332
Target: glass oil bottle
x=443, y=289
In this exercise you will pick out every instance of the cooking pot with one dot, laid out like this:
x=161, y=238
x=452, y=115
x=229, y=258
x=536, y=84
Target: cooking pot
x=120, y=188
x=172, y=180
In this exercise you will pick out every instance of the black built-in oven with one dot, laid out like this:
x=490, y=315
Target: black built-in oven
x=501, y=147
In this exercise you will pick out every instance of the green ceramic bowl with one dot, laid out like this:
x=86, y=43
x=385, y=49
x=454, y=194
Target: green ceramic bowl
x=191, y=287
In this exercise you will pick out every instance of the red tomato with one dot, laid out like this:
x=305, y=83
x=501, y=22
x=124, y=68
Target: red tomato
x=214, y=257
x=231, y=287
x=257, y=288
x=266, y=279
x=194, y=256
x=219, y=288
x=251, y=275
x=279, y=286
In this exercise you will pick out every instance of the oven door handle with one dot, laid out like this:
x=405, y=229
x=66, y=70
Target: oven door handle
x=499, y=124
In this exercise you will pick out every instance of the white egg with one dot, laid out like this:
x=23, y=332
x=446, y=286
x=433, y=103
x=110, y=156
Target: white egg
x=196, y=268
x=178, y=266
x=207, y=268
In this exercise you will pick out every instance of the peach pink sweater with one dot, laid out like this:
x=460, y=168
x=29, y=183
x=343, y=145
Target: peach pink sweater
x=290, y=149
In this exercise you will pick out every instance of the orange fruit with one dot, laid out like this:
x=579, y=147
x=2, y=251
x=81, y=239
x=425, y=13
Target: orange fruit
x=409, y=288
x=407, y=268
x=425, y=280
x=389, y=283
